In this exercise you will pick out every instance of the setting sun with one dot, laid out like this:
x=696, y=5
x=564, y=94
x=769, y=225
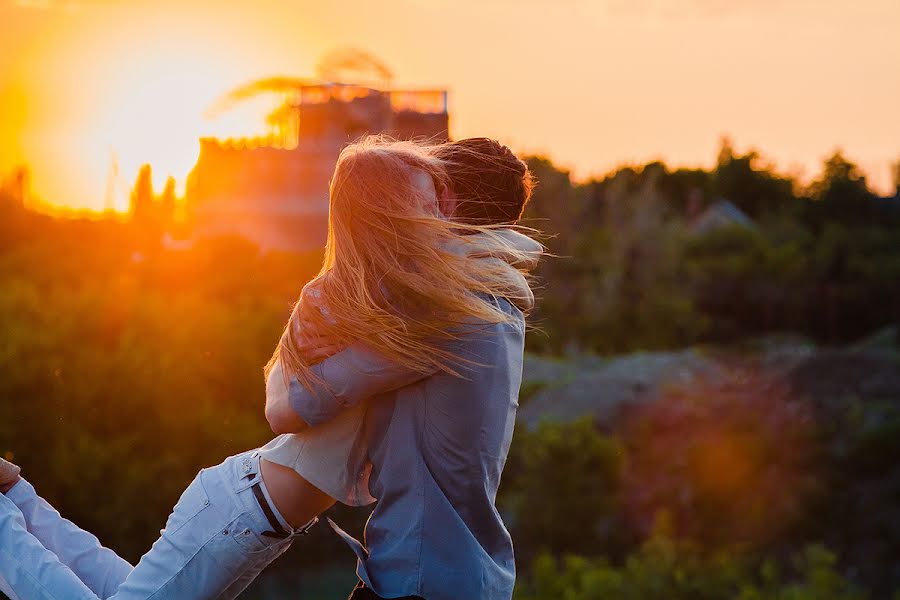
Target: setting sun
x=153, y=113
x=102, y=95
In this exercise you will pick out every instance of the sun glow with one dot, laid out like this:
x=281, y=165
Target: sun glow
x=154, y=114
x=104, y=97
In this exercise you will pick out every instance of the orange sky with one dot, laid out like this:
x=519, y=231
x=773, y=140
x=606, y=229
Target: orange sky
x=593, y=84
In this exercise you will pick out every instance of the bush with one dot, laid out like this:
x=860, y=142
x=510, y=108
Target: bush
x=667, y=570
x=561, y=489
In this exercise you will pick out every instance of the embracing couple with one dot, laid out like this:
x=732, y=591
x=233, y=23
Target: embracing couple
x=395, y=382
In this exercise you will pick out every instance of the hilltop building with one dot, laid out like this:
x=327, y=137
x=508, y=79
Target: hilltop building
x=723, y=213
x=274, y=190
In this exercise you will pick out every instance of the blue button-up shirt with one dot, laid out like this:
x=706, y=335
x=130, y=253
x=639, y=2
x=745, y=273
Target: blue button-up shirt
x=438, y=444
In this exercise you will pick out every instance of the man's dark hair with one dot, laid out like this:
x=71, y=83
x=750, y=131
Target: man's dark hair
x=491, y=184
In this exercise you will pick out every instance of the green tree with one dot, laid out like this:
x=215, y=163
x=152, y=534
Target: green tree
x=561, y=489
x=841, y=194
x=664, y=568
x=751, y=187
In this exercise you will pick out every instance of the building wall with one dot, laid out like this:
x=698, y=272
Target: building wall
x=278, y=197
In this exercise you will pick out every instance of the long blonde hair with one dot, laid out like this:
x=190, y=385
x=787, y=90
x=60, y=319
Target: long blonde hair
x=391, y=278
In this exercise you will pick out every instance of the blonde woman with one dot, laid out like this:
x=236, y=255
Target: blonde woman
x=406, y=304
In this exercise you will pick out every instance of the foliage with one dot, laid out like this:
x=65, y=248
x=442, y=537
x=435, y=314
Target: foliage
x=696, y=453
x=664, y=568
x=633, y=273
x=560, y=489
x=130, y=371
x=769, y=467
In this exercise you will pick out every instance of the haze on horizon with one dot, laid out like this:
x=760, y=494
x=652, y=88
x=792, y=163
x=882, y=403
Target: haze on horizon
x=591, y=85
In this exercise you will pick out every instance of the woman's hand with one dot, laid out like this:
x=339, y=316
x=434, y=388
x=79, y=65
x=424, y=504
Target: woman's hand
x=312, y=338
x=317, y=349
x=314, y=343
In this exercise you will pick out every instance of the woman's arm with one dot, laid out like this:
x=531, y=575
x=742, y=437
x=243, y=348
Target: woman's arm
x=496, y=244
x=345, y=379
x=520, y=292
x=532, y=250
x=353, y=374
x=281, y=418
x=315, y=345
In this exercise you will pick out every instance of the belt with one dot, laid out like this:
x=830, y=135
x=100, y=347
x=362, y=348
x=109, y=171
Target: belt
x=277, y=530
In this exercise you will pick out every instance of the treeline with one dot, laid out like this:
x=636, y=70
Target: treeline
x=651, y=258
x=128, y=366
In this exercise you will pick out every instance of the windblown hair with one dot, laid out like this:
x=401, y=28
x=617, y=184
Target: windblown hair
x=393, y=275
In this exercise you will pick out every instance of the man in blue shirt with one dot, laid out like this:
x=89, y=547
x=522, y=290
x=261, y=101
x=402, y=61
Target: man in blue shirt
x=438, y=444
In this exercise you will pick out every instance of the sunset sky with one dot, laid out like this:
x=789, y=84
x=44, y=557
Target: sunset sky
x=591, y=84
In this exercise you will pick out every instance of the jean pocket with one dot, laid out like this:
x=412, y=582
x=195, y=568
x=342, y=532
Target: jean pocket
x=193, y=501
x=248, y=534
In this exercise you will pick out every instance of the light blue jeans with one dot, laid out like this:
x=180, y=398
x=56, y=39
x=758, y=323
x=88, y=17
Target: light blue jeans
x=215, y=542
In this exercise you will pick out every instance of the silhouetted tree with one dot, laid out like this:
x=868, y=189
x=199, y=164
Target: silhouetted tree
x=688, y=191
x=750, y=186
x=167, y=203
x=841, y=194
x=15, y=188
x=142, y=196
x=895, y=173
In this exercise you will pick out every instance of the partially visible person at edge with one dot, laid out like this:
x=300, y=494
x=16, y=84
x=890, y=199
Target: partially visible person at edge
x=109, y=573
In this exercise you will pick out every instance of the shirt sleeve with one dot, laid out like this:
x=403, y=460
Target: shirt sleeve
x=346, y=379
x=527, y=251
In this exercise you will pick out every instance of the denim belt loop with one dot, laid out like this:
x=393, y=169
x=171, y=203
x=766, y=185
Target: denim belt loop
x=248, y=472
